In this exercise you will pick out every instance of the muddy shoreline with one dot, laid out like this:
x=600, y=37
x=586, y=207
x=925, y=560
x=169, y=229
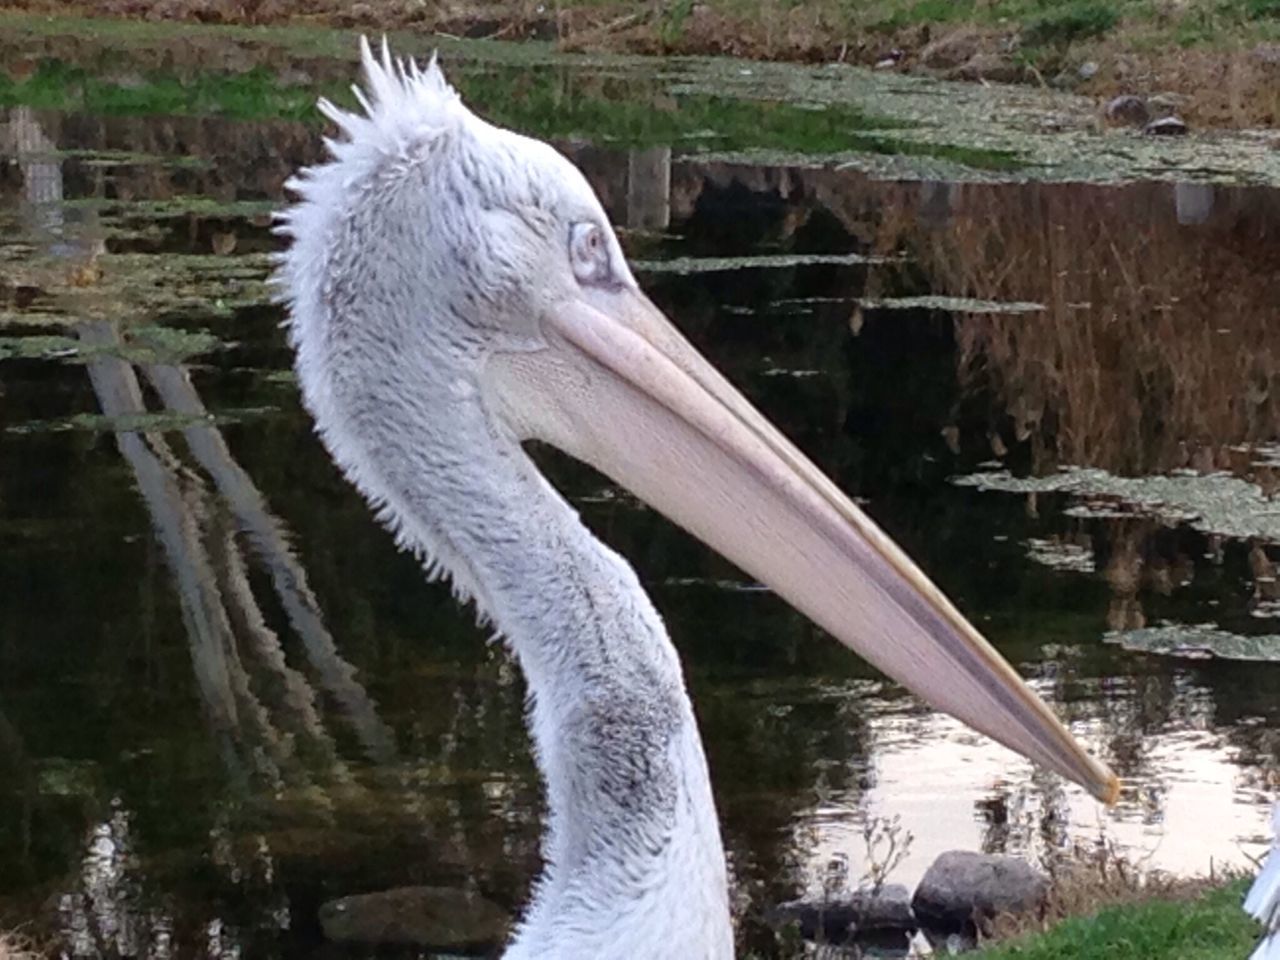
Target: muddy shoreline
x=1232, y=85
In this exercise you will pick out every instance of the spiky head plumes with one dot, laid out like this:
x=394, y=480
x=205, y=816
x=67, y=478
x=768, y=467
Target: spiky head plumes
x=405, y=108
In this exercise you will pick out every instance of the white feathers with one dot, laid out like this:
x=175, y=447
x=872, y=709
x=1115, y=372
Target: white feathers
x=403, y=106
x=1263, y=901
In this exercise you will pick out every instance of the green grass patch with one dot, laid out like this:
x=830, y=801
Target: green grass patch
x=548, y=108
x=549, y=103
x=253, y=95
x=1212, y=927
x=1070, y=22
x=927, y=11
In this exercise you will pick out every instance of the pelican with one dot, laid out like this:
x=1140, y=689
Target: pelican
x=1263, y=900
x=453, y=290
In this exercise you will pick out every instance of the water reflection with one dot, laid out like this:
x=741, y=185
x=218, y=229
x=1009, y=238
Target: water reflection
x=357, y=733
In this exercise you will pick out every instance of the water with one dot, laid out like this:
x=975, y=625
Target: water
x=226, y=699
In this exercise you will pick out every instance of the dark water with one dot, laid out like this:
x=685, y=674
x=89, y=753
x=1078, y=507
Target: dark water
x=226, y=699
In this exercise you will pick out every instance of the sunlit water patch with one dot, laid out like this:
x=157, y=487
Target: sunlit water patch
x=1000, y=804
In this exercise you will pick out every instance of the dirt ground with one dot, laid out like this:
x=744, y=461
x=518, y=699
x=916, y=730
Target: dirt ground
x=1232, y=84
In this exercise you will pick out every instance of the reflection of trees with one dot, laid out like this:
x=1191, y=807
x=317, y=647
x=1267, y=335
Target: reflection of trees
x=1027, y=819
x=262, y=712
x=1174, y=358
x=41, y=173
x=270, y=543
x=219, y=610
x=1155, y=348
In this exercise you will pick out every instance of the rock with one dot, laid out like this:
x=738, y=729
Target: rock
x=1087, y=70
x=1268, y=53
x=962, y=888
x=128, y=81
x=1127, y=109
x=840, y=919
x=919, y=946
x=1063, y=80
x=358, y=14
x=887, y=909
x=952, y=50
x=442, y=918
x=827, y=921
x=1165, y=127
x=293, y=77
x=1165, y=104
x=987, y=66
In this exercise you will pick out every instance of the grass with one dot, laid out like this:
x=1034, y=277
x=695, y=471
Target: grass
x=1262, y=9
x=1064, y=20
x=543, y=103
x=779, y=23
x=1102, y=905
x=1071, y=22
x=1137, y=46
x=253, y=95
x=1209, y=927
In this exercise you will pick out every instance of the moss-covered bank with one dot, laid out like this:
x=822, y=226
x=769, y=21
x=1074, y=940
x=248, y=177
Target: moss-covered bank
x=1217, y=62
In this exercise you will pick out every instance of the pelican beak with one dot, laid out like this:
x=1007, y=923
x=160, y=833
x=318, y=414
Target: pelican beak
x=621, y=389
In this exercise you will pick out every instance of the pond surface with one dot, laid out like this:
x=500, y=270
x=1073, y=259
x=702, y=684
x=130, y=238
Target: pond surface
x=225, y=698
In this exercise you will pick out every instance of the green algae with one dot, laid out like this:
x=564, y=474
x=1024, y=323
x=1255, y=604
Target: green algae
x=175, y=206
x=1060, y=555
x=949, y=304
x=151, y=422
x=1201, y=641
x=140, y=291
x=255, y=94
x=1215, y=503
x=683, y=266
x=109, y=159
x=151, y=344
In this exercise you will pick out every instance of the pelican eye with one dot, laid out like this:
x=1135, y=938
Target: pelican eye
x=589, y=253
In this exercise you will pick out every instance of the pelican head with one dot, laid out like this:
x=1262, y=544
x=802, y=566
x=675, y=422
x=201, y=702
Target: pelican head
x=455, y=289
